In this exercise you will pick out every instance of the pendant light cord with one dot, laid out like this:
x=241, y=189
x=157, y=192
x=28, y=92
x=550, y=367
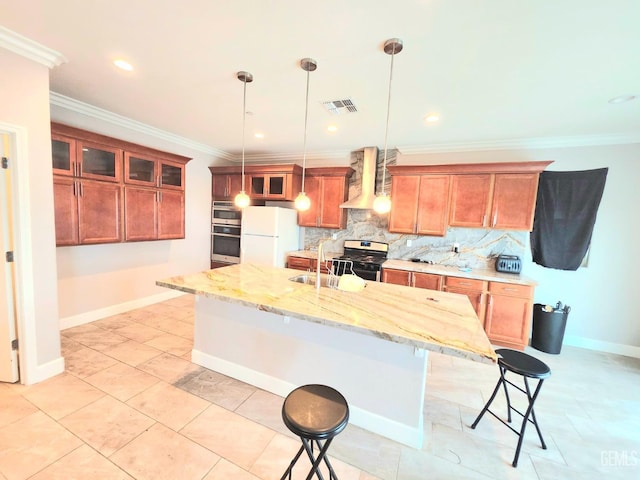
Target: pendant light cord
x=304, y=144
x=386, y=133
x=244, y=118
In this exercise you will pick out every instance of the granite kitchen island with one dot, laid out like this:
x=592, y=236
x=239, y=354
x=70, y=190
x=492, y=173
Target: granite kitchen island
x=254, y=324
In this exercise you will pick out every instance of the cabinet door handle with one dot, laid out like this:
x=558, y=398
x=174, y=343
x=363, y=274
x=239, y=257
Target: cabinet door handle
x=81, y=189
x=466, y=284
x=495, y=219
x=75, y=190
x=79, y=169
x=484, y=219
x=507, y=289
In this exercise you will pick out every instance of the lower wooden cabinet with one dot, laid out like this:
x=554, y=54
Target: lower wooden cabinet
x=508, y=317
x=412, y=279
x=504, y=309
x=86, y=211
x=306, y=264
x=474, y=289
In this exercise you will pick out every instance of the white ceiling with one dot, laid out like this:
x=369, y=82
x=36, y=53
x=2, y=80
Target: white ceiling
x=494, y=70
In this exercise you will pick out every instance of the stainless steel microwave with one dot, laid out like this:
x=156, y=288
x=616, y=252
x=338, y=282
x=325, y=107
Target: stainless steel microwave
x=225, y=213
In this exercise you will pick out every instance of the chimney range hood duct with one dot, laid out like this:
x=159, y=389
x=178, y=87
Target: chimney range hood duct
x=368, y=182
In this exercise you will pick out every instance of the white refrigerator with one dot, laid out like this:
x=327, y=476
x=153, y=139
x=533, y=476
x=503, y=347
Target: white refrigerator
x=268, y=234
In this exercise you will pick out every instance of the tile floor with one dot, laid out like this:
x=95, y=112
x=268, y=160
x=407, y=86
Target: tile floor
x=132, y=405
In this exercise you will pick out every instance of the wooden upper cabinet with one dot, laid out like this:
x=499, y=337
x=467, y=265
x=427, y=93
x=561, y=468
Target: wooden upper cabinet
x=89, y=187
x=273, y=182
x=405, y=192
x=66, y=210
x=226, y=182
x=514, y=201
x=170, y=215
x=470, y=197
x=63, y=150
x=433, y=205
x=78, y=204
x=141, y=169
x=327, y=188
x=419, y=204
x=428, y=198
x=86, y=159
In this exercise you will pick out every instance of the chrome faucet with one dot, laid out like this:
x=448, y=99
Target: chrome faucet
x=320, y=260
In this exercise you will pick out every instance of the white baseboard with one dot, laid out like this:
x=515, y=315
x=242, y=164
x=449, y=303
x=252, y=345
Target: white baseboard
x=413, y=437
x=94, y=315
x=601, y=346
x=38, y=373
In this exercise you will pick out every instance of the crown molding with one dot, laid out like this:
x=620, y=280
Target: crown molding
x=291, y=157
x=522, y=144
x=27, y=48
x=119, y=120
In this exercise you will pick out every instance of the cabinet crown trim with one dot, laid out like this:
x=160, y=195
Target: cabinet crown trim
x=138, y=150
x=470, y=168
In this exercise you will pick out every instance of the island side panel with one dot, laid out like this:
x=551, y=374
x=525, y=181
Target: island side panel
x=383, y=381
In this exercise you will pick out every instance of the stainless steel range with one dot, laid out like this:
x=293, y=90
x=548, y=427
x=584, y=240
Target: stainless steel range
x=367, y=258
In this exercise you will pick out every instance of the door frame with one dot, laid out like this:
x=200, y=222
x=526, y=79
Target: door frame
x=23, y=246
x=8, y=325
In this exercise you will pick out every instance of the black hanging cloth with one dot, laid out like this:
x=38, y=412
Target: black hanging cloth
x=565, y=214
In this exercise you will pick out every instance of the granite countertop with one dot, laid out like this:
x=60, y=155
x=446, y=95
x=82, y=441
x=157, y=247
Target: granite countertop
x=475, y=274
x=436, y=321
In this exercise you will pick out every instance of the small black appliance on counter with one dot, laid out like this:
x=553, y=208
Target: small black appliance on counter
x=508, y=264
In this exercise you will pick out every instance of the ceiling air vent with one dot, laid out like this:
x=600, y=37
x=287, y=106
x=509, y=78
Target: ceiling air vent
x=339, y=107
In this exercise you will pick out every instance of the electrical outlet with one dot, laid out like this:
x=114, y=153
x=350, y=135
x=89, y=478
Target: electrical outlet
x=409, y=242
x=334, y=236
x=456, y=247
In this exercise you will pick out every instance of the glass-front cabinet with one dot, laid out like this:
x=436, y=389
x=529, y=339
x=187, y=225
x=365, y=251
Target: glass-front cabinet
x=270, y=186
x=78, y=158
x=143, y=170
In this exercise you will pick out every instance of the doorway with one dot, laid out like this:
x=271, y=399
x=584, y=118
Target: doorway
x=9, y=371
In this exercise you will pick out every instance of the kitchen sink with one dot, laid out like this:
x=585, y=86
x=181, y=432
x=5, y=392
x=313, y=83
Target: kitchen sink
x=306, y=279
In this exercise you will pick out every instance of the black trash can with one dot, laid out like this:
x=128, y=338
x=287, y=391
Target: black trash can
x=548, y=327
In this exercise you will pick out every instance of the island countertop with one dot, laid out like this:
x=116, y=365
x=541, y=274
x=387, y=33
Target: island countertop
x=436, y=321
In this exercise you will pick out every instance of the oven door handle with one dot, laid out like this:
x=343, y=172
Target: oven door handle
x=215, y=234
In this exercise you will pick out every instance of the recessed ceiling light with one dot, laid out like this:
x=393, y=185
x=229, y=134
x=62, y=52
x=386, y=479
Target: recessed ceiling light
x=431, y=118
x=124, y=65
x=622, y=99
x=259, y=135
x=332, y=128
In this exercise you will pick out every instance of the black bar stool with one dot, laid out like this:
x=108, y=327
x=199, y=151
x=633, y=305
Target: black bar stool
x=528, y=367
x=315, y=413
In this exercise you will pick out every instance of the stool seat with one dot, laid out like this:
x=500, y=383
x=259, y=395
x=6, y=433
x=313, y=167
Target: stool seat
x=315, y=412
x=522, y=364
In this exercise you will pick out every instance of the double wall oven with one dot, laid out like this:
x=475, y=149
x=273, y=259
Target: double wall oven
x=226, y=223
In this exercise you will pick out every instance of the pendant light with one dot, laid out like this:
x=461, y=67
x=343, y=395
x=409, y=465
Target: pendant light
x=382, y=202
x=303, y=202
x=242, y=199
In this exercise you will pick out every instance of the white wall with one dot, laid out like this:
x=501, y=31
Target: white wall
x=99, y=280
x=605, y=313
x=24, y=100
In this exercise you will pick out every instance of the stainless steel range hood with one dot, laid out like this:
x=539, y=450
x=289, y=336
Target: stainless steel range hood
x=368, y=181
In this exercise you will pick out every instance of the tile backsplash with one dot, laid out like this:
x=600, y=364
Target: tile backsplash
x=478, y=247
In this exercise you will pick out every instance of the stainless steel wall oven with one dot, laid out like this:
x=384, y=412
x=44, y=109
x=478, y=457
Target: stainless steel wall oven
x=226, y=220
